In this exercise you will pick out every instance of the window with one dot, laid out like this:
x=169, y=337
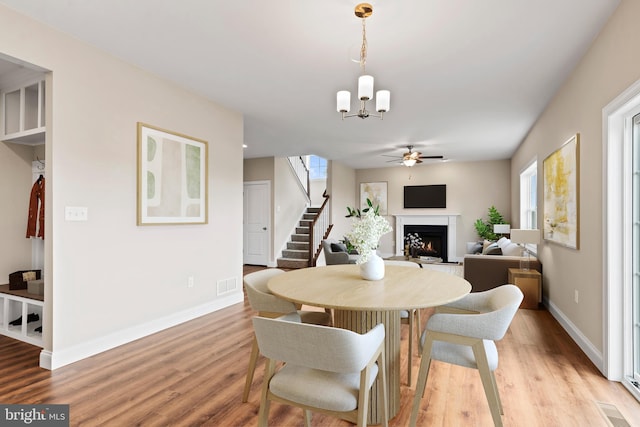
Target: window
x=529, y=197
x=317, y=167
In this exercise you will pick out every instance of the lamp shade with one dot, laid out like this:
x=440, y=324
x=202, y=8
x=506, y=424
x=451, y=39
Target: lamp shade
x=409, y=162
x=383, y=98
x=343, y=101
x=365, y=87
x=501, y=228
x=525, y=236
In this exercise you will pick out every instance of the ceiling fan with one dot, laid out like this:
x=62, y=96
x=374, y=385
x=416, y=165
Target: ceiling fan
x=411, y=157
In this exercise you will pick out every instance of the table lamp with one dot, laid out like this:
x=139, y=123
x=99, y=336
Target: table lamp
x=524, y=237
x=501, y=228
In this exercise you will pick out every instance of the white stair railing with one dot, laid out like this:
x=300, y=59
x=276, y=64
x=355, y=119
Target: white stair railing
x=301, y=170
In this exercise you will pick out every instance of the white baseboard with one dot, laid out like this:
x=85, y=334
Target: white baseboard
x=56, y=359
x=583, y=342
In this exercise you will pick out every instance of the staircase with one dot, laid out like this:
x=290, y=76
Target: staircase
x=297, y=253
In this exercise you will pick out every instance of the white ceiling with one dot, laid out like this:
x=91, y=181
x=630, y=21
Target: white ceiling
x=468, y=78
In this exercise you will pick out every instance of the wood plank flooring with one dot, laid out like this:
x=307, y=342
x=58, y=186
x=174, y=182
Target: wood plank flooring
x=193, y=375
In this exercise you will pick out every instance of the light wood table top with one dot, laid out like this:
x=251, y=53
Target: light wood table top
x=341, y=287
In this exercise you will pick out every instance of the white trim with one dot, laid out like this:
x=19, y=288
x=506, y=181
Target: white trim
x=574, y=332
x=56, y=359
x=616, y=238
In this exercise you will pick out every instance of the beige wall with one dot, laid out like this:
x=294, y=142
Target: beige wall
x=341, y=187
x=290, y=203
x=109, y=281
x=472, y=187
x=609, y=67
x=15, y=188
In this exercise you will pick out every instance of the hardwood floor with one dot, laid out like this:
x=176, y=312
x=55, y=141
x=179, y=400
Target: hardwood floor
x=193, y=375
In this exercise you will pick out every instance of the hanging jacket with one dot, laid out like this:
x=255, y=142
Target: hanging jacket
x=36, y=214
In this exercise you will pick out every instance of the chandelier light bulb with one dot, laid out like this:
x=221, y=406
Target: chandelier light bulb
x=383, y=100
x=365, y=88
x=343, y=100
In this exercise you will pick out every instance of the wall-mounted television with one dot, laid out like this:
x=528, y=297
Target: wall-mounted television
x=425, y=196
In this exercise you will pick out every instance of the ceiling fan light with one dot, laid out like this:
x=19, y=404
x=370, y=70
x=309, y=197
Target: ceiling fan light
x=409, y=162
x=383, y=98
x=343, y=101
x=365, y=87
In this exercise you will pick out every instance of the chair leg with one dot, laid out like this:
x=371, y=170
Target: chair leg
x=307, y=418
x=423, y=373
x=418, y=332
x=410, y=353
x=495, y=388
x=263, y=413
x=488, y=382
x=253, y=360
x=382, y=389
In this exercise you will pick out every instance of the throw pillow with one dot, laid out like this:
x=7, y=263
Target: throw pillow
x=338, y=247
x=476, y=249
x=492, y=249
x=512, y=249
x=503, y=242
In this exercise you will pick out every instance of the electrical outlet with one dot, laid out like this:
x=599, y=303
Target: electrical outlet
x=575, y=296
x=190, y=282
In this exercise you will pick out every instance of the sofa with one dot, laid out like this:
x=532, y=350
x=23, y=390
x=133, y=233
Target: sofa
x=336, y=253
x=489, y=269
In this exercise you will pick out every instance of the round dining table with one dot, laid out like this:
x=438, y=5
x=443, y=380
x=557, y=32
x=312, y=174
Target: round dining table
x=360, y=304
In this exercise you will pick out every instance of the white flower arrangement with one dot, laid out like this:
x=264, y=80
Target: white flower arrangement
x=366, y=232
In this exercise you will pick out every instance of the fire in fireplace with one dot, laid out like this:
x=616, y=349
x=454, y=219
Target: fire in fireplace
x=434, y=240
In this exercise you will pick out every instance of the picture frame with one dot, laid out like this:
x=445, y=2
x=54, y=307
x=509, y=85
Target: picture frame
x=377, y=193
x=172, y=177
x=561, y=187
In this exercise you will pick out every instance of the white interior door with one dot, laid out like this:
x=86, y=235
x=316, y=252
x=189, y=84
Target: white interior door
x=256, y=224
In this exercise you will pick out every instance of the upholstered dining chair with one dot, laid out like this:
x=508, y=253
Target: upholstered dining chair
x=464, y=333
x=326, y=370
x=269, y=305
x=409, y=317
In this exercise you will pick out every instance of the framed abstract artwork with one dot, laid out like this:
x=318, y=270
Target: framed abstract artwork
x=561, y=171
x=172, y=177
x=376, y=192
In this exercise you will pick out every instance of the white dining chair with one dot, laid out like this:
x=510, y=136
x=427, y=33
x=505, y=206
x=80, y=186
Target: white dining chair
x=326, y=370
x=269, y=305
x=409, y=317
x=464, y=333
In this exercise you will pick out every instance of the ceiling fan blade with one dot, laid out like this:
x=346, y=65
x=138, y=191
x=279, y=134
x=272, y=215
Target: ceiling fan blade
x=431, y=157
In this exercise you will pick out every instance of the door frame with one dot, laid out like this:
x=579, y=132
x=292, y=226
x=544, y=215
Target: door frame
x=616, y=132
x=267, y=183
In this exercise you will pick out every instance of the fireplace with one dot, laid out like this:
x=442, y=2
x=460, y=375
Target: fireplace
x=434, y=240
x=437, y=227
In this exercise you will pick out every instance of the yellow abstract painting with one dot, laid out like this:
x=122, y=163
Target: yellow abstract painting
x=562, y=194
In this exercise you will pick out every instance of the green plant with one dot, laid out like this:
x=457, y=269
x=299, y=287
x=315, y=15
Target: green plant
x=485, y=229
x=356, y=212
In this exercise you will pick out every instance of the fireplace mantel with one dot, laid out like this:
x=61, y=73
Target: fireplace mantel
x=448, y=219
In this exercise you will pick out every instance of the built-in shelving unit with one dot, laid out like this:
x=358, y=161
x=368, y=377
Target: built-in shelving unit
x=23, y=118
x=14, y=306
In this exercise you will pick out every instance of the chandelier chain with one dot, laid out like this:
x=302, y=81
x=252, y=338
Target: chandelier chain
x=363, y=48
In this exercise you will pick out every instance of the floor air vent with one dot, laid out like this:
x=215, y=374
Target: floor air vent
x=612, y=415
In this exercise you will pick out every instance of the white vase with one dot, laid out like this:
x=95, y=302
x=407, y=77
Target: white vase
x=373, y=269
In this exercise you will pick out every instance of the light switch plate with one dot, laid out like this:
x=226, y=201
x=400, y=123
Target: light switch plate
x=75, y=213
